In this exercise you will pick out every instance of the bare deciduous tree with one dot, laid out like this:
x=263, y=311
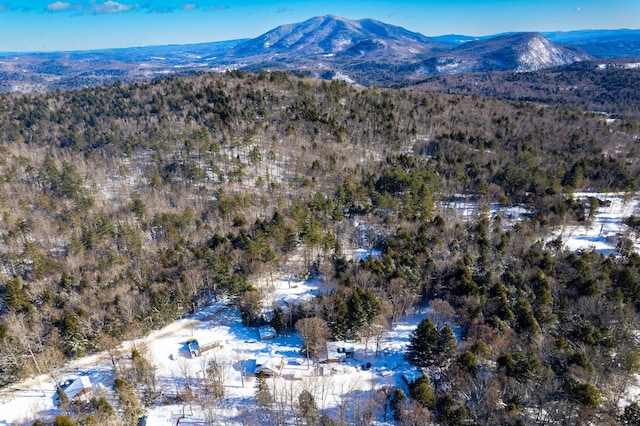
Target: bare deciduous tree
x=314, y=332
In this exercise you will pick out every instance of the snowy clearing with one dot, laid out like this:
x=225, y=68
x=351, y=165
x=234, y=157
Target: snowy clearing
x=221, y=335
x=219, y=327
x=604, y=231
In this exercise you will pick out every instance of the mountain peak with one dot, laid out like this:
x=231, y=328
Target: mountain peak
x=331, y=35
x=538, y=52
x=527, y=51
x=365, y=51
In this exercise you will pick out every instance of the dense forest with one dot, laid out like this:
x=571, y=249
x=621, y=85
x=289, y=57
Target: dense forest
x=129, y=206
x=608, y=88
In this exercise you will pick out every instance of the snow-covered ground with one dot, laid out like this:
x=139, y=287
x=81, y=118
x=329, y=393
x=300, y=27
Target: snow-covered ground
x=467, y=209
x=603, y=232
x=221, y=335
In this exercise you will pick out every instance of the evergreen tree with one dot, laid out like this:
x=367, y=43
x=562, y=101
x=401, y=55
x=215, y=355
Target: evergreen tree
x=631, y=415
x=468, y=362
x=15, y=296
x=63, y=421
x=132, y=410
x=262, y=393
x=102, y=411
x=363, y=308
x=421, y=392
x=340, y=326
x=585, y=394
x=449, y=413
x=357, y=314
x=465, y=286
x=525, y=320
x=308, y=407
x=279, y=320
x=424, y=343
x=447, y=344
x=397, y=403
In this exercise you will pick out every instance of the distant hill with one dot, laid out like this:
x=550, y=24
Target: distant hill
x=48, y=71
x=596, y=85
x=509, y=52
x=331, y=35
x=366, y=52
x=603, y=44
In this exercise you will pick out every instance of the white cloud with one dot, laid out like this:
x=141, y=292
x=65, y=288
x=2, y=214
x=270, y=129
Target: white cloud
x=578, y=9
x=187, y=7
x=59, y=6
x=112, y=7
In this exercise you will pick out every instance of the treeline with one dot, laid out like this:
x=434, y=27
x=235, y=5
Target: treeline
x=126, y=207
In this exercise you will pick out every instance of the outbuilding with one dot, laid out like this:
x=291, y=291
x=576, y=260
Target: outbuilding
x=77, y=388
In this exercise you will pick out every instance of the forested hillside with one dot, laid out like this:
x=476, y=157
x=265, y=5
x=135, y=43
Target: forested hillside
x=608, y=88
x=126, y=207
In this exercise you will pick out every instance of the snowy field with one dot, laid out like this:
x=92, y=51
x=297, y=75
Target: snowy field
x=218, y=327
x=219, y=331
x=602, y=233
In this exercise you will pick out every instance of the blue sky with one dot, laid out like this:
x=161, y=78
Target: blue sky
x=37, y=25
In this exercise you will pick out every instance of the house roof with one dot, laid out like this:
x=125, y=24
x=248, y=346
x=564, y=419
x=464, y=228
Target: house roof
x=267, y=332
x=269, y=364
x=76, y=386
x=336, y=351
x=297, y=299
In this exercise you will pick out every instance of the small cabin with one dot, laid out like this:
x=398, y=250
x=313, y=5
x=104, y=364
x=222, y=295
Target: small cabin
x=337, y=351
x=270, y=365
x=267, y=333
x=77, y=388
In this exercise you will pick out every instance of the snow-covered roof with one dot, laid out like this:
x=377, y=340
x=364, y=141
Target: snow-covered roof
x=76, y=386
x=337, y=351
x=297, y=299
x=267, y=332
x=269, y=364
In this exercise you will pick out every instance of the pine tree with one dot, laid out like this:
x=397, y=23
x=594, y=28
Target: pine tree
x=16, y=295
x=465, y=286
x=421, y=392
x=397, y=403
x=631, y=415
x=468, y=362
x=341, y=323
x=63, y=421
x=129, y=402
x=357, y=315
x=308, y=407
x=447, y=344
x=423, y=344
x=448, y=413
x=263, y=394
x=279, y=320
x=526, y=322
x=363, y=308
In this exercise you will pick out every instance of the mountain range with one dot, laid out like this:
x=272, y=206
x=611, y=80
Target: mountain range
x=366, y=52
